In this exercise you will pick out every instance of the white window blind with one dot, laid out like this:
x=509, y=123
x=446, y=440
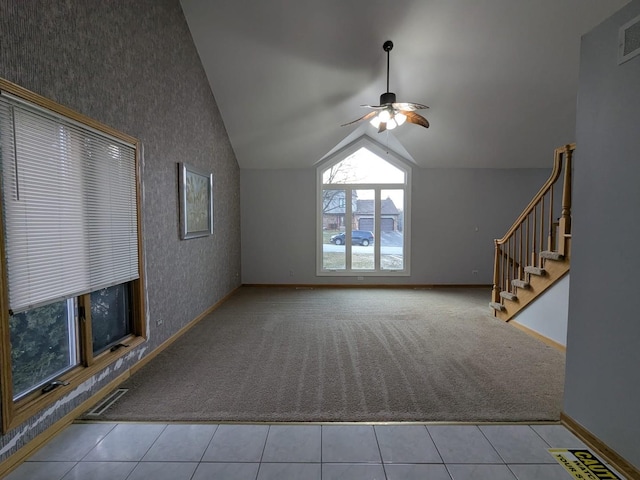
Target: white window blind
x=69, y=207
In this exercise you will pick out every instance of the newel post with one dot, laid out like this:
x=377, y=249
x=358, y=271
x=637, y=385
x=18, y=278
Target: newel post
x=565, y=216
x=495, y=293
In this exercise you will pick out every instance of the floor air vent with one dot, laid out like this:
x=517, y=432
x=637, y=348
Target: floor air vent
x=107, y=402
x=629, y=45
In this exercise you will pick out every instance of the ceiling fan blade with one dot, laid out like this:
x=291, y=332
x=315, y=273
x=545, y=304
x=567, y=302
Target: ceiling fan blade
x=382, y=127
x=413, y=117
x=364, y=117
x=409, y=106
x=377, y=107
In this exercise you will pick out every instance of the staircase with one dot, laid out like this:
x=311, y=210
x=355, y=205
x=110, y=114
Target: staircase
x=536, y=251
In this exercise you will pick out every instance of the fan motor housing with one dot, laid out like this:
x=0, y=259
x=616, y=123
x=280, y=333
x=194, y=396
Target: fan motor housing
x=387, y=98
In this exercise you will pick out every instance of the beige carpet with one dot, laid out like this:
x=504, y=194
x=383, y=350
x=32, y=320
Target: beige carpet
x=286, y=354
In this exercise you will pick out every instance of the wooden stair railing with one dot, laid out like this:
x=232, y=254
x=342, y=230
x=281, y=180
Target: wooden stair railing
x=542, y=232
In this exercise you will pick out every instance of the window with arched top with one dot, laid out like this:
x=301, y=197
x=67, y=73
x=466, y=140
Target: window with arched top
x=363, y=212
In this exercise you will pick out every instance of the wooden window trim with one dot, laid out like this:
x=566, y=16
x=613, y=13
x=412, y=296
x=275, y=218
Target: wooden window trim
x=15, y=413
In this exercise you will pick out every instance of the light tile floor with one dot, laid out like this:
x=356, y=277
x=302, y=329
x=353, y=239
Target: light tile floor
x=137, y=451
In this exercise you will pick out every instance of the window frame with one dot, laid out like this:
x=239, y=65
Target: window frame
x=392, y=158
x=17, y=412
x=72, y=335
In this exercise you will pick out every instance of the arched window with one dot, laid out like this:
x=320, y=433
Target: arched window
x=363, y=212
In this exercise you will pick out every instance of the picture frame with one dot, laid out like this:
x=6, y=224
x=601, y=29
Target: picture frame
x=196, y=202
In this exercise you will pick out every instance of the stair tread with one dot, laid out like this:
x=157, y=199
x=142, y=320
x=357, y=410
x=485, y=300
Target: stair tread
x=520, y=283
x=550, y=255
x=534, y=270
x=497, y=306
x=509, y=296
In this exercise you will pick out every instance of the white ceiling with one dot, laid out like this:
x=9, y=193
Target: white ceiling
x=500, y=76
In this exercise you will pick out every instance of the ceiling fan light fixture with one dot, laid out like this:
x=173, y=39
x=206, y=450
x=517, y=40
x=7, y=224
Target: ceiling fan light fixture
x=385, y=116
x=391, y=118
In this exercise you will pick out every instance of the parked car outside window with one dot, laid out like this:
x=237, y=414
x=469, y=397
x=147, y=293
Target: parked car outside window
x=358, y=237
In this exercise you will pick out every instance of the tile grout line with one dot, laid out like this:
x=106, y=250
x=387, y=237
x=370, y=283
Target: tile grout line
x=446, y=468
x=434, y=444
x=153, y=443
x=321, y=457
x=264, y=447
x=504, y=462
x=98, y=442
x=375, y=435
x=207, y=447
x=541, y=437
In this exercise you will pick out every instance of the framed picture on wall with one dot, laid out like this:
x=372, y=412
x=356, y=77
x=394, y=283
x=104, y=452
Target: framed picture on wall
x=196, y=202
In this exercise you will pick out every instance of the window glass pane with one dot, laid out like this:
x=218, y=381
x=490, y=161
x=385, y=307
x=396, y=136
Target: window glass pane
x=43, y=345
x=110, y=316
x=334, y=204
x=362, y=236
x=392, y=230
x=363, y=167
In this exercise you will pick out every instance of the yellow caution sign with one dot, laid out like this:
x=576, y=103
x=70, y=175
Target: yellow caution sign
x=582, y=464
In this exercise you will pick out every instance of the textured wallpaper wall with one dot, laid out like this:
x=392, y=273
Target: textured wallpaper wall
x=133, y=66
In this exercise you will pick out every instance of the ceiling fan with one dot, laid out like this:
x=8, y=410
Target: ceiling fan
x=391, y=114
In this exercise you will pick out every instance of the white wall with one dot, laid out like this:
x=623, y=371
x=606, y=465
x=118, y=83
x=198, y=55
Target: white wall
x=549, y=314
x=602, y=386
x=279, y=224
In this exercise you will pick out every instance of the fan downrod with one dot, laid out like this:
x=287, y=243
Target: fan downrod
x=387, y=46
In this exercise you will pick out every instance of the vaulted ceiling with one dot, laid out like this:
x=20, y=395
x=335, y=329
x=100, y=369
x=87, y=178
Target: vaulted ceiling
x=500, y=76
